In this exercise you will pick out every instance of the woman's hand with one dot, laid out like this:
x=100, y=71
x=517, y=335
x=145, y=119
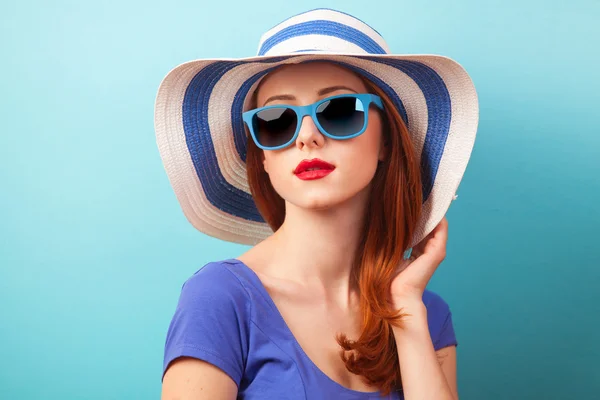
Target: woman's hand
x=410, y=283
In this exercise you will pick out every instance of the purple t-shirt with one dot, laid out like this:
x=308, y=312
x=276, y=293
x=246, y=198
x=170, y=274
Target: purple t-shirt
x=225, y=316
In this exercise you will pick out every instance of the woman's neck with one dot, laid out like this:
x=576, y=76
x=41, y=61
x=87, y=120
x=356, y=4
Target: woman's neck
x=317, y=248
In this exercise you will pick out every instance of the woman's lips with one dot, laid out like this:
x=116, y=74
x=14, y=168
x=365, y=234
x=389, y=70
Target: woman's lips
x=315, y=174
x=313, y=169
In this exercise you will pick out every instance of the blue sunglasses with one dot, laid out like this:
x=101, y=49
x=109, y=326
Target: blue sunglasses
x=339, y=117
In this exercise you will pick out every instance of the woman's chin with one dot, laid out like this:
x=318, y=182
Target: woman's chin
x=322, y=201
x=322, y=197
x=315, y=201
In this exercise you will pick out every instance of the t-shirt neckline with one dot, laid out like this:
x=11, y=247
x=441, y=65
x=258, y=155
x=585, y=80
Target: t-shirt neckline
x=263, y=290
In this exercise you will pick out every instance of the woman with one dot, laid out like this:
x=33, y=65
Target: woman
x=332, y=164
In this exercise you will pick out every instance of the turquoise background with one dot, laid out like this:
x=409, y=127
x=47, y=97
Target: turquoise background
x=94, y=247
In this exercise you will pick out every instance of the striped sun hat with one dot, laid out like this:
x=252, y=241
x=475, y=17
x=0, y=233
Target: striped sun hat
x=202, y=141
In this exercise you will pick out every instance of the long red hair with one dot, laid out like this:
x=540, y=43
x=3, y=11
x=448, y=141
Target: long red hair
x=392, y=214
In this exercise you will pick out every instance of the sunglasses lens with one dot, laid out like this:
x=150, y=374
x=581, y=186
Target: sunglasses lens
x=342, y=116
x=275, y=126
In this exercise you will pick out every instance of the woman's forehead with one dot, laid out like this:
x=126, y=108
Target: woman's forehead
x=311, y=76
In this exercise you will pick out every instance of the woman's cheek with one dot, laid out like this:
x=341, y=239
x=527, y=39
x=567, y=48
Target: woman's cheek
x=360, y=176
x=281, y=182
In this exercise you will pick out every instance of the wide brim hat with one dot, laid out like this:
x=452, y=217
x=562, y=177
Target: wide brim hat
x=202, y=140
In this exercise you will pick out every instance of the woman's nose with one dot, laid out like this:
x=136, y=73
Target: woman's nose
x=309, y=134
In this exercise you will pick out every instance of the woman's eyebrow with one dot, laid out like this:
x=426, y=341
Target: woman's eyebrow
x=333, y=89
x=320, y=93
x=279, y=97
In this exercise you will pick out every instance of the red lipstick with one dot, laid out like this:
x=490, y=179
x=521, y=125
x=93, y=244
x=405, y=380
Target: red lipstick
x=313, y=169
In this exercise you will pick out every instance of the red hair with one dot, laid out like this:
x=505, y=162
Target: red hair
x=390, y=222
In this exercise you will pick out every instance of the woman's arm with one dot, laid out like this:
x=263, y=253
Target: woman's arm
x=447, y=359
x=422, y=375
x=189, y=378
x=208, y=337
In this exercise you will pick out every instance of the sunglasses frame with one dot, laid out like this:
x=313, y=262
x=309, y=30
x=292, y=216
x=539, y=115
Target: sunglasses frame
x=311, y=109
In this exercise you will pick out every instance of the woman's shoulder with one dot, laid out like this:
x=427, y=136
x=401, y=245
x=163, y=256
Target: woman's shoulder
x=216, y=272
x=439, y=318
x=218, y=284
x=434, y=301
x=212, y=320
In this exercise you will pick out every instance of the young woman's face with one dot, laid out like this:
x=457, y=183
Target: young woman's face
x=355, y=159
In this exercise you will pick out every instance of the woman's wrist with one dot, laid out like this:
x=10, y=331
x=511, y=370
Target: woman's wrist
x=415, y=315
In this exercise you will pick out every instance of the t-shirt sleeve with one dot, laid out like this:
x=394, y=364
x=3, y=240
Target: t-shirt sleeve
x=211, y=321
x=439, y=318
